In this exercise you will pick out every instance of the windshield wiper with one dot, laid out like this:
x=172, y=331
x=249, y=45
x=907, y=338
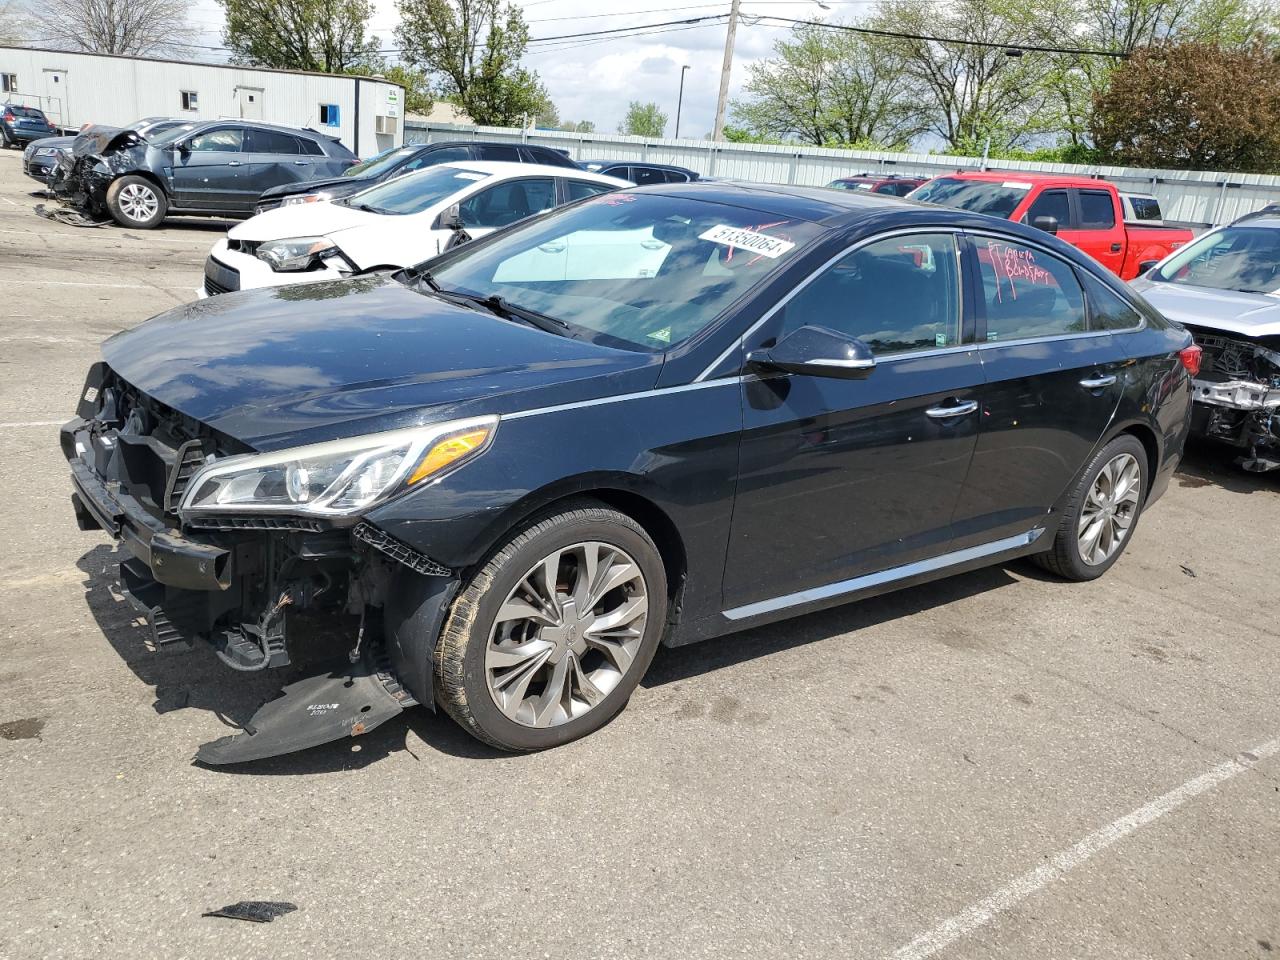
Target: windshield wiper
x=534, y=318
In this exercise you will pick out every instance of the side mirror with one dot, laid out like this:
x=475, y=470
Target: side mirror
x=183, y=147
x=818, y=352
x=1145, y=265
x=1047, y=224
x=451, y=219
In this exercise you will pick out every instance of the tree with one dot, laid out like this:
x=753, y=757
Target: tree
x=473, y=49
x=582, y=126
x=129, y=27
x=975, y=92
x=328, y=36
x=13, y=22
x=826, y=86
x=1192, y=105
x=1126, y=25
x=643, y=120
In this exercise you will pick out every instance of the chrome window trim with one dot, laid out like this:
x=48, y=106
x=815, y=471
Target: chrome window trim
x=1142, y=325
x=882, y=577
x=619, y=398
x=768, y=315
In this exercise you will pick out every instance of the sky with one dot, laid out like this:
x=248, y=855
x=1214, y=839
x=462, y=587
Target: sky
x=595, y=78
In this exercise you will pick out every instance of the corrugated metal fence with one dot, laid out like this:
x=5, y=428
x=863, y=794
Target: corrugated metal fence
x=1196, y=196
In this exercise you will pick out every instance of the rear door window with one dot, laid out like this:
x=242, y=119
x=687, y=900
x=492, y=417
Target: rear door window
x=1026, y=292
x=272, y=141
x=309, y=147
x=499, y=151
x=580, y=189
x=1097, y=211
x=647, y=175
x=429, y=158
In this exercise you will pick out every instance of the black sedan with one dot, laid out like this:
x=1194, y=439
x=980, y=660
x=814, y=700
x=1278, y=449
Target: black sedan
x=401, y=160
x=504, y=477
x=641, y=174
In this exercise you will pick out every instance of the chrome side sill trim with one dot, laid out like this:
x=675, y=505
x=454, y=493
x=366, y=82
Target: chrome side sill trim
x=884, y=576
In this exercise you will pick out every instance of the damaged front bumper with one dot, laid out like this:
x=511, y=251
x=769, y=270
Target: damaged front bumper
x=1237, y=397
x=263, y=591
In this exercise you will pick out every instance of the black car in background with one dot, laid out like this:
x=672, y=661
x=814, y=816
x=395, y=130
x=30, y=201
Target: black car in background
x=657, y=416
x=218, y=168
x=21, y=124
x=402, y=160
x=896, y=185
x=641, y=174
x=41, y=156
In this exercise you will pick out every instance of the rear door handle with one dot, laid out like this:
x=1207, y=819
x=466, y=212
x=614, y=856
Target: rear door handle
x=1115, y=248
x=955, y=410
x=302, y=163
x=233, y=163
x=1097, y=383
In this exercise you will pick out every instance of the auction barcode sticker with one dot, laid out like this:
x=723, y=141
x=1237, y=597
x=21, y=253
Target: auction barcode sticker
x=749, y=240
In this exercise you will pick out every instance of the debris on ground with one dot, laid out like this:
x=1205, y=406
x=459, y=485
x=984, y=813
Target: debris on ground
x=1187, y=570
x=255, y=911
x=68, y=215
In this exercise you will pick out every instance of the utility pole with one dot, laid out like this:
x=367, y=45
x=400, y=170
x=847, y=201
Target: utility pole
x=723, y=100
x=680, y=100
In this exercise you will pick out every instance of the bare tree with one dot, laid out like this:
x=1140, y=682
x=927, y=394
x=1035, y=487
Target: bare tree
x=13, y=22
x=129, y=27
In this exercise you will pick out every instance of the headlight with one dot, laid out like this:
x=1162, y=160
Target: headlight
x=48, y=152
x=304, y=198
x=299, y=253
x=338, y=478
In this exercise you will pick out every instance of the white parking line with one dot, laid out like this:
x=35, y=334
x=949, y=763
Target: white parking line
x=8, y=201
x=78, y=283
x=984, y=911
x=32, y=423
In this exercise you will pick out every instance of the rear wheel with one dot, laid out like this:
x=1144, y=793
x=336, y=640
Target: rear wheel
x=1103, y=510
x=551, y=636
x=136, y=202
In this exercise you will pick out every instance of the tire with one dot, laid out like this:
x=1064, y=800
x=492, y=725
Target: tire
x=534, y=682
x=1113, y=505
x=136, y=202
x=8, y=144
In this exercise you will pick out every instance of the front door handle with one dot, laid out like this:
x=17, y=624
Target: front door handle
x=955, y=410
x=1115, y=248
x=233, y=163
x=302, y=163
x=1097, y=383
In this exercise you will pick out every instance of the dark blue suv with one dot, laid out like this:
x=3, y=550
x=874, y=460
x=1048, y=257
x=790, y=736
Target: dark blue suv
x=20, y=125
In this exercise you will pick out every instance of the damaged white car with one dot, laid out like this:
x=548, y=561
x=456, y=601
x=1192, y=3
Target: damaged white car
x=1225, y=288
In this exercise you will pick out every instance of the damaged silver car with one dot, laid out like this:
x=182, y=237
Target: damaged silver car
x=1225, y=288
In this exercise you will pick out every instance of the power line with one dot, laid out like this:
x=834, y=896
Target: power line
x=1021, y=47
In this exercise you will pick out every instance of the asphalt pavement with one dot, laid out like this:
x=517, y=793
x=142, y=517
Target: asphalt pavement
x=999, y=765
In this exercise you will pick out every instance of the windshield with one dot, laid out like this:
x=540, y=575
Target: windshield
x=1246, y=259
x=641, y=271
x=415, y=192
x=995, y=198
x=376, y=166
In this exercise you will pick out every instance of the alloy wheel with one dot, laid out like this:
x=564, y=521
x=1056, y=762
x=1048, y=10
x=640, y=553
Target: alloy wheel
x=1109, y=509
x=138, y=202
x=567, y=634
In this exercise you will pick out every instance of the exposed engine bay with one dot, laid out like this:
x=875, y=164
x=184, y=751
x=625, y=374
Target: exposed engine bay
x=259, y=589
x=97, y=156
x=1237, y=395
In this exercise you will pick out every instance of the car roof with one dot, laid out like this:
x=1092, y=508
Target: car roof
x=509, y=168
x=636, y=163
x=1025, y=176
x=261, y=125
x=815, y=204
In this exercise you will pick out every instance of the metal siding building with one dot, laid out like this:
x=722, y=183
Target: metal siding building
x=78, y=88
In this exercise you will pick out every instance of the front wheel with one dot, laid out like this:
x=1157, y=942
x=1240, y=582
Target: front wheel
x=1102, y=512
x=548, y=640
x=136, y=202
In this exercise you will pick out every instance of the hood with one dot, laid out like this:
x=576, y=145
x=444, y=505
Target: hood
x=338, y=186
x=283, y=366
x=98, y=140
x=319, y=219
x=1250, y=314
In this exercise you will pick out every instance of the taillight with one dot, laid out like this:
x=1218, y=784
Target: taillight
x=9, y=117
x=1190, y=357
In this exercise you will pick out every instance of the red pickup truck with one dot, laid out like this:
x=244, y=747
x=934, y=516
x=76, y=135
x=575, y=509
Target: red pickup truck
x=1084, y=212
